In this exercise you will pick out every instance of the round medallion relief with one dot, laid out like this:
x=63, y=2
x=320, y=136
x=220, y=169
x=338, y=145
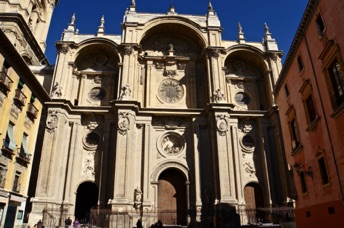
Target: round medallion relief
x=171, y=143
x=97, y=93
x=170, y=91
x=242, y=98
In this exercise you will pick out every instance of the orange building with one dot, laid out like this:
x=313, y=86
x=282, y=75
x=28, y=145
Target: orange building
x=310, y=96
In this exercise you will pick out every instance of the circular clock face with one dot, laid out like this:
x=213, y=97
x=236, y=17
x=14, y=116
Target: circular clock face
x=170, y=91
x=242, y=98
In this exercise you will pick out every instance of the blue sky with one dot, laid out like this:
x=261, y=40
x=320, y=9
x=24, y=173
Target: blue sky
x=281, y=16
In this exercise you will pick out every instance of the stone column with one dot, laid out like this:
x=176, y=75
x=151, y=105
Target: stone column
x=197, y=172
x=122, y=166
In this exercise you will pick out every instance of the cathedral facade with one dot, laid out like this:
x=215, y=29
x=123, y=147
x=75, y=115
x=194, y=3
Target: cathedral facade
x=164, y=122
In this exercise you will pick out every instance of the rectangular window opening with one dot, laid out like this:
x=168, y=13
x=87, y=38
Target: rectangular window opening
x=311, y=111
x=323, y=171
x=300, y=63
x=303, y=182
x=9, y=142
x=286, y=90
x=331, y=210
x=320, y=24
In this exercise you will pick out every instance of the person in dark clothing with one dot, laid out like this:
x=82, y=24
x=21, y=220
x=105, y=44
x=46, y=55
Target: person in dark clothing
x=68, y=222
x=139, y=224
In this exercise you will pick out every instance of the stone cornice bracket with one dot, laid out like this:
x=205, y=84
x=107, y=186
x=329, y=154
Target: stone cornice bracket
x=63, y=48
x=215, y=52
x=128, y=49
x=222, y=123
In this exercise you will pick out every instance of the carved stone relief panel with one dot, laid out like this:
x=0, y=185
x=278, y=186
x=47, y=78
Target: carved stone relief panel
x=170, y=91
x=170, y=144
x=51, y=122
x=88, y=165
x=123, y=124
x=222, y=124
x=169, y=122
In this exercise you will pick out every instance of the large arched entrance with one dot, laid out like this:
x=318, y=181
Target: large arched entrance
x=172, y=198
x=86, y=198
x=254, y=202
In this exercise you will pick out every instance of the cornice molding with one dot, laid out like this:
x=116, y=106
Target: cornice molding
x=300, y=33
x=28, y=35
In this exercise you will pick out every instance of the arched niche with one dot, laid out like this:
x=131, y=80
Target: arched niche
x=97, y=67
x=176, y=53
x=246, y=76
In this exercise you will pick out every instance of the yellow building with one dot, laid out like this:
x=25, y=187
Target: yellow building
x=24, y=25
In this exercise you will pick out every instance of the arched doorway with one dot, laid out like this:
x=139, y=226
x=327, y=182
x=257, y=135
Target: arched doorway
x=86, y=198
x=172, y=198
x=254, y=202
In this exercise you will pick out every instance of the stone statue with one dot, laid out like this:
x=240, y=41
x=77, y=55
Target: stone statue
x=138, y=198
x=126, y=93
x=56, y=91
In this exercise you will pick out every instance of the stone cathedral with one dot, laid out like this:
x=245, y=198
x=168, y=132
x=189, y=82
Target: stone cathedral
x=166, y=122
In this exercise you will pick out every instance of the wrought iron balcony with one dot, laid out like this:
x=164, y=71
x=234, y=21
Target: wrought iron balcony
x=5, y=149
x=32, y=111
x=5, y=82
x=23, y=158
x=19, y=98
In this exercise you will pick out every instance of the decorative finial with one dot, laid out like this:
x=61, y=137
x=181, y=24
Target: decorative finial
x=172, y=10
x=132, y=7
x=101, y=26
x=241, y=38
x=239, y=28
x=72, y=19
x=266, y=28
x=102, y=21
x=210, y=6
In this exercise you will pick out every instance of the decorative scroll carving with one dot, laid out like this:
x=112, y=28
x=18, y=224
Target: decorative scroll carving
x=249, y=168
x=222, y=124
x=245, y=126
x=238, y=84
x=181, y=66
x=169, y=122
x=97, y=80
x=170, y=73
x=56, y=91
x=88, y=167
x=159, y=65
x=126, y=93
x=51, y=122
x=218, y=97
x=170, y=91
x=123, y=123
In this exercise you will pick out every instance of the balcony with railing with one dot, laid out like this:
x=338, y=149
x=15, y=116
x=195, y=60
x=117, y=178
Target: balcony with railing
x=5, y=149
x=19, y=98
x=5, y=82
x=23, y=157
x=32, y=111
